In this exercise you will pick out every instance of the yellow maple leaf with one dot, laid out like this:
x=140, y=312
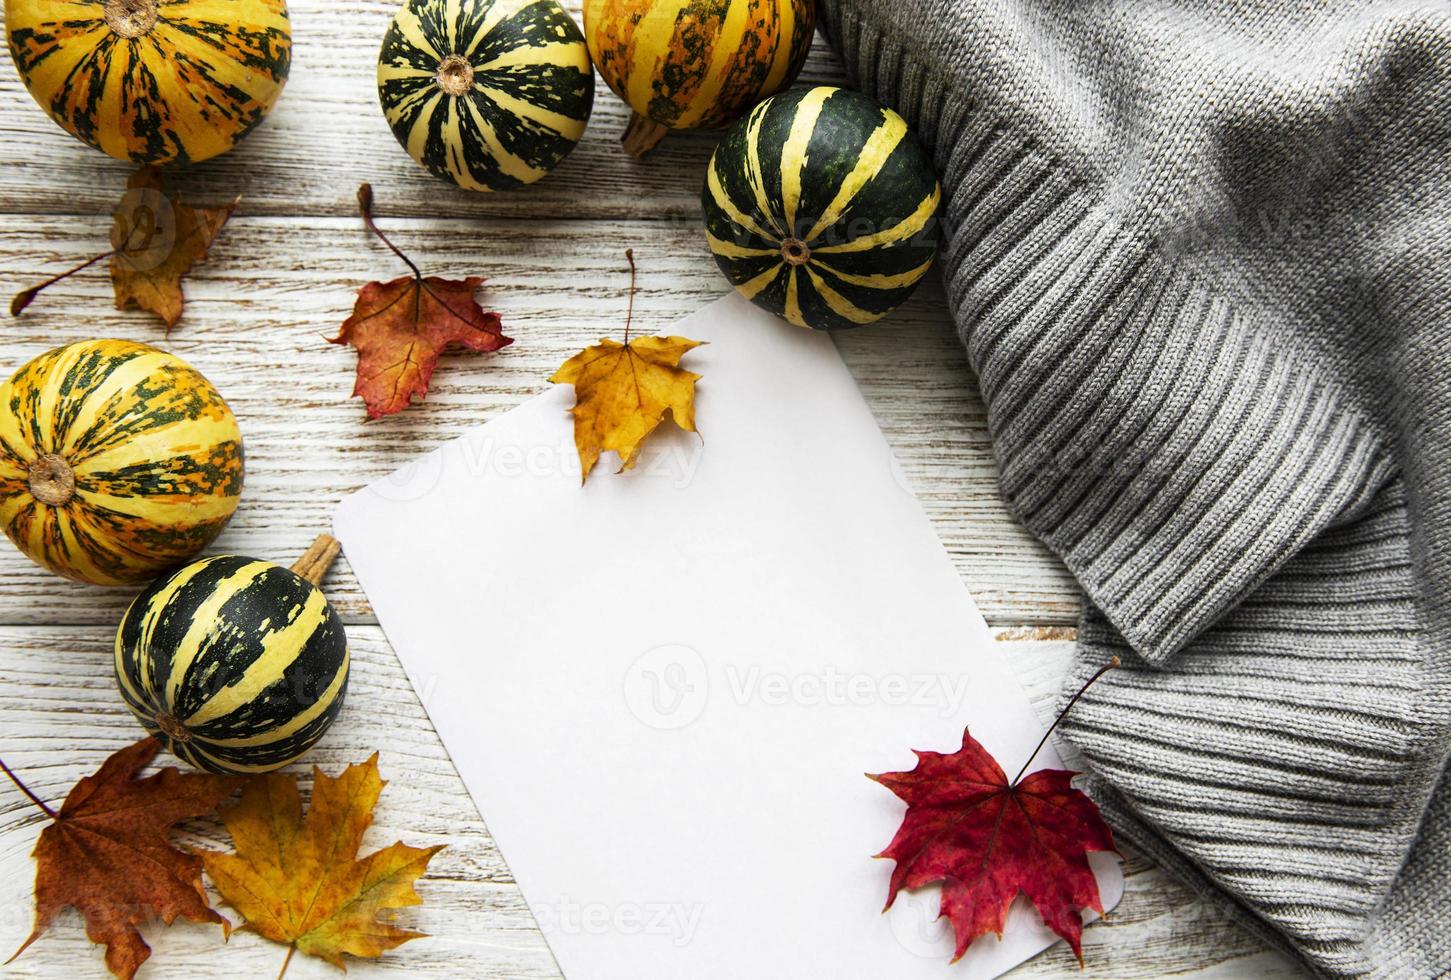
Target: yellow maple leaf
x=623, y=390
x=297, y=880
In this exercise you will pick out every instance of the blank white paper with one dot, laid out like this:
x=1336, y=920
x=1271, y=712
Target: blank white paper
x=663, y=688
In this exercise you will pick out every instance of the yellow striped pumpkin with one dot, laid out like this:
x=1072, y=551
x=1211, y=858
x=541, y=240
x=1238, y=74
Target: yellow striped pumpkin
x=237, y=665
x=686, y=64
x=821, y=206
x=153, y=81
x=488, y=94
x=117, y=461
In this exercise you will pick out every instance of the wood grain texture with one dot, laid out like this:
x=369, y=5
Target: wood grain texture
x=281, y=277
x=480, y=925
x=273, y=288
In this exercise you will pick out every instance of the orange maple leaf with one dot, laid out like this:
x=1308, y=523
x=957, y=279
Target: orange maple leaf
x=399, y=328
x=624, y=390
x=107, y=853
x=296, y=879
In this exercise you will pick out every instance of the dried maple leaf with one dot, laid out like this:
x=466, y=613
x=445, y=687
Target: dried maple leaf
x=297, y=880
x=107, y=853
x=400, y=328
x=155, y=240
x=985, y=840
x=623, y=390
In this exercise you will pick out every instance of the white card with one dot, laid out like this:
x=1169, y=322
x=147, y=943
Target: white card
x=663, y=688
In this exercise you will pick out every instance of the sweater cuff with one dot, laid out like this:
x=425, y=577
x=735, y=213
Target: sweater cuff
x=1171, y=440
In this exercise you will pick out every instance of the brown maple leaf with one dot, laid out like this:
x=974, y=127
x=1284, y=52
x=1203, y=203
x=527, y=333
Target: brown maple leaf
x=985, y=839
x=400, y=328
x=108, y=855
x=155, y=241
x=297, y=880
x=624, y=390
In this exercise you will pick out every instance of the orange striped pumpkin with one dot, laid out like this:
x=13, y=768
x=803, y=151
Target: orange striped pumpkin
x=154, y=81
x=688, y=64
x=117, y=461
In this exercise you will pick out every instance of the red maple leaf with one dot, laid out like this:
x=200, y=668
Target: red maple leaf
x=986, y=839
x=400, y=328
x=108, y=853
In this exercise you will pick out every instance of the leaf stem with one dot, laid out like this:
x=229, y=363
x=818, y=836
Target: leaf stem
x=26, y=296
x=630, y=311
x=365, y=206
x=26, y=790
x=286, y=962
x=1115, y=662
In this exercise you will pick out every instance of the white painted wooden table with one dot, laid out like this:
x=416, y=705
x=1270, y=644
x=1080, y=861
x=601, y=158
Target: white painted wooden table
x=281, y=277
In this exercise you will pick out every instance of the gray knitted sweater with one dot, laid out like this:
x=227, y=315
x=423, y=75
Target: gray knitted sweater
x=1200, y=256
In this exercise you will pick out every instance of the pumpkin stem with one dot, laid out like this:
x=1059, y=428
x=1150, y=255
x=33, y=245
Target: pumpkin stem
x=365, y=206
x=642, y=135
x=795, y=251
x=317, y=559
x=52, y=481
x=173, y=728
x=130, y=18
x=26, y=790
x=455, y=75
x=1115, y=662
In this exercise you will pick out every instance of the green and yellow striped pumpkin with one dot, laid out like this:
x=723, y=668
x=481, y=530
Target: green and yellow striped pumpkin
x=237, y=665
x=821, y=207
x=490, y=94
x=153, y=81
x=687, y=64
x=117, y=461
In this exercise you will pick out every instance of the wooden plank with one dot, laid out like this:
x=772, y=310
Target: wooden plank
x=64, y=717
x=273, y=288
x=327, y=133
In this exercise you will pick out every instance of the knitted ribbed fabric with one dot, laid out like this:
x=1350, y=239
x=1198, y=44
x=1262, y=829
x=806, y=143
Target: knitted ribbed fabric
x=1200, y=256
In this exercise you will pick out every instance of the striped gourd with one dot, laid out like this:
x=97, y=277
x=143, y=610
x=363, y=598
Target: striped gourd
x=684, y=64
x=821, y=207
x=117, y=461
x=153, y=81
x=237, y=665
x=490, y=94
